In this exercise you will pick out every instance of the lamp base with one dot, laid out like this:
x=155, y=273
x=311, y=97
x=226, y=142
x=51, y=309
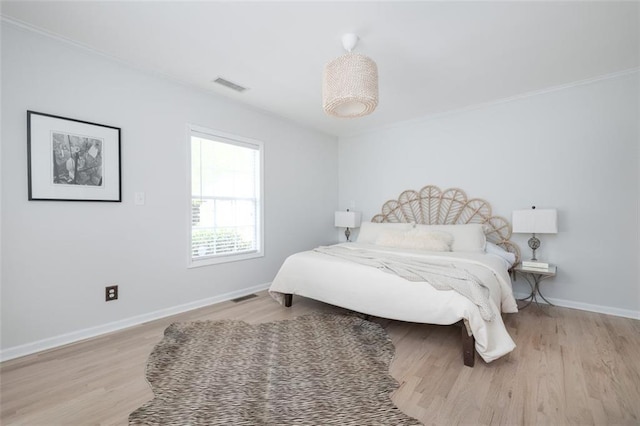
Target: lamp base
x=347, y=234
x=534, y=244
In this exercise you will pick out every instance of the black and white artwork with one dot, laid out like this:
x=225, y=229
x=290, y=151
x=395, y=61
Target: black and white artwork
x=77, y=160
x=72, y=160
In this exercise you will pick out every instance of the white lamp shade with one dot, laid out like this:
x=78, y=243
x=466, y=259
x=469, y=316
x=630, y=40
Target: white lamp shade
x=347, y=219
x=350, y=86
x=535, y=221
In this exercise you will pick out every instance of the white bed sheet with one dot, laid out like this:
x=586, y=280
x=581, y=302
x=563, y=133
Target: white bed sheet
x=368, y=290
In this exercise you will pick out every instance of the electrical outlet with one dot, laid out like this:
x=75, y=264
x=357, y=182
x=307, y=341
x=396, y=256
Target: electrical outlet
x=111, y=293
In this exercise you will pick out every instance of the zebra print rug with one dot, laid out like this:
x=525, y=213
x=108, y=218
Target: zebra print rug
x=321, y=369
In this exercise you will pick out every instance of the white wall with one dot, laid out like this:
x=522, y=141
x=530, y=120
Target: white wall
x=574, y=149
x=57, y=257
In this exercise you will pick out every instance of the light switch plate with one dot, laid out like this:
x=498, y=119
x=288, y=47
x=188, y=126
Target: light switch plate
x=139, y=198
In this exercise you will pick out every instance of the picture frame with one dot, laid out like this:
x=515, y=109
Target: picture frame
x=72, y=160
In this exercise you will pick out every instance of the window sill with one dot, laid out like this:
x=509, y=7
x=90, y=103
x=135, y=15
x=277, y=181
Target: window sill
x=216, y=260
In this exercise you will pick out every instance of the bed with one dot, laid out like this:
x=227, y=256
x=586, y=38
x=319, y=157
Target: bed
x=431, y=256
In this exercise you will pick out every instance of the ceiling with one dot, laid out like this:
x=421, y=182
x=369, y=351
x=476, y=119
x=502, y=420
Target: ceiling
x=432, y=57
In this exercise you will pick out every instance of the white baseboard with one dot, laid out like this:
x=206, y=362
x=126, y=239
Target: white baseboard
x=75, y=336
x=626, y=313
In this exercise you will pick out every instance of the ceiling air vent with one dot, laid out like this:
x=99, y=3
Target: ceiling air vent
x=229, y=84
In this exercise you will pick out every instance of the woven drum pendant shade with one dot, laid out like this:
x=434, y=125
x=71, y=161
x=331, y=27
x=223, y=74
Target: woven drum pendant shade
x=350, y=86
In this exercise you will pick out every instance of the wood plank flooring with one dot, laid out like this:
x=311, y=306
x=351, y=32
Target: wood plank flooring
x=570, y=367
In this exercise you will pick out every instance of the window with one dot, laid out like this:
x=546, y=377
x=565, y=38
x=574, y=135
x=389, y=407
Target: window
x=226, y=198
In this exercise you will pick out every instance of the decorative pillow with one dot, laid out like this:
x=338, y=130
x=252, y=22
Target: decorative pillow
x=370, y=231
x=467, y=237
x=499, y=251
x=416, y=239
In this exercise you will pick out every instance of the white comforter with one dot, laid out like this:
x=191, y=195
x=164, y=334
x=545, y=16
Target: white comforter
x=368, y=290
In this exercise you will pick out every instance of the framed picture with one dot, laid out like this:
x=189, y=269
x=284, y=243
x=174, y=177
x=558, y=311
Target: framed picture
x=72, y=160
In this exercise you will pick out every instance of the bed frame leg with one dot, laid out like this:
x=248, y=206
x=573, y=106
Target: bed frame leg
x=288, y=300
x=468, y=348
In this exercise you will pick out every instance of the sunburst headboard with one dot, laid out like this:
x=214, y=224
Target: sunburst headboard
x=432, y=206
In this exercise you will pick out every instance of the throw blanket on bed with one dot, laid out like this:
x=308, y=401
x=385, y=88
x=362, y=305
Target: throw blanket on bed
x=440, y=276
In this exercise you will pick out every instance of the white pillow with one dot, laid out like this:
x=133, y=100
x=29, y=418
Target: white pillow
x=467, y=237
x=416, y=239
x=499, y=251
x=370, y=231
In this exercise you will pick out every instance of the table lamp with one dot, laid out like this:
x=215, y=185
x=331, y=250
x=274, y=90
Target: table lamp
x=347, y=220
x=535, y=221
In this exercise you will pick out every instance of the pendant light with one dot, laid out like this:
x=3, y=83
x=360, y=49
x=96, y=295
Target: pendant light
x=350, y=83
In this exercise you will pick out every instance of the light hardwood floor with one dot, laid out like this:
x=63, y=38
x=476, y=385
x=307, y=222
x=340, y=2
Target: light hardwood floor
x=570, y=367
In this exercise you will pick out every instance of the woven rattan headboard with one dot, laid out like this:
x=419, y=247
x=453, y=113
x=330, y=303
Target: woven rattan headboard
x=432, y=206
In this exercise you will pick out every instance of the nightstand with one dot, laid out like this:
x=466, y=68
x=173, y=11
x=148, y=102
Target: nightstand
x=534, y=277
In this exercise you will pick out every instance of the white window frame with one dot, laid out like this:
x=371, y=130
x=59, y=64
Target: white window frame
x=219, y=136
